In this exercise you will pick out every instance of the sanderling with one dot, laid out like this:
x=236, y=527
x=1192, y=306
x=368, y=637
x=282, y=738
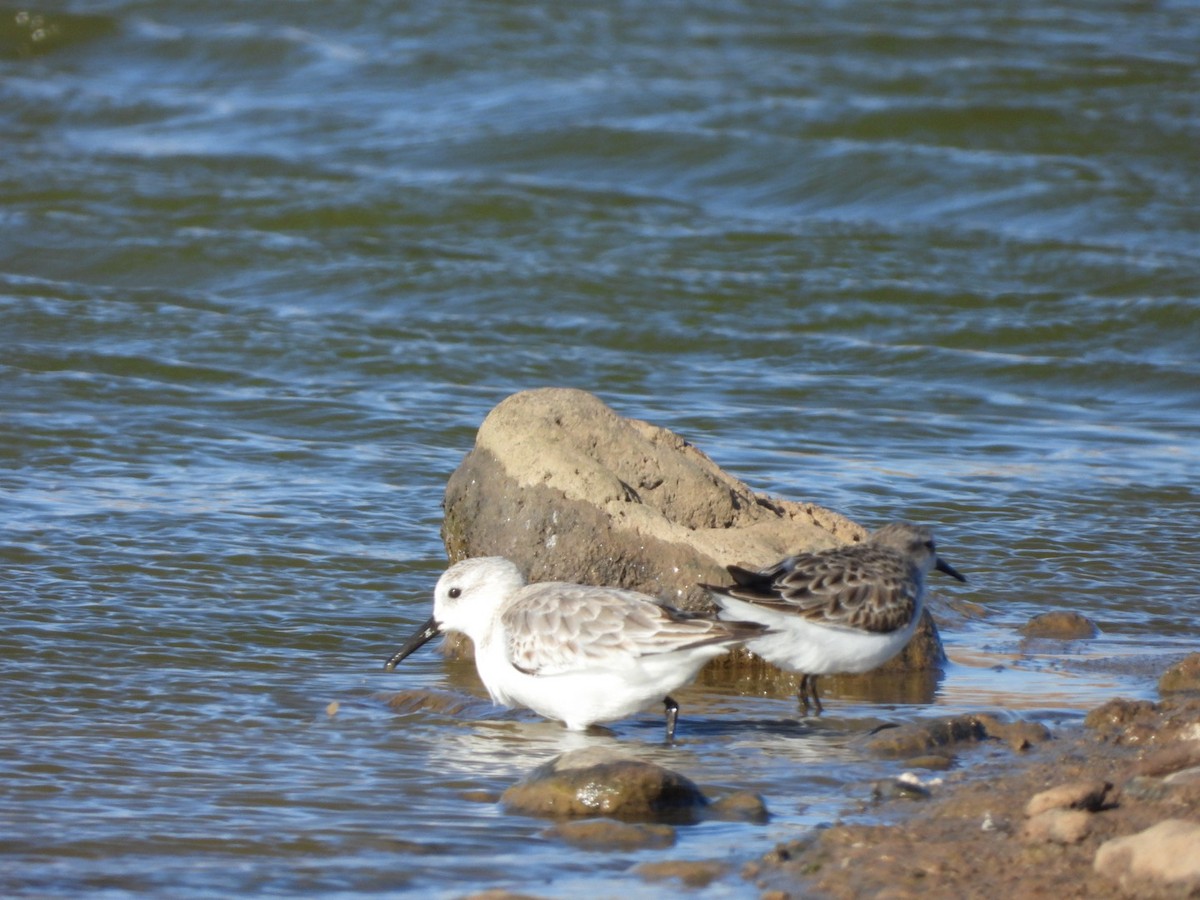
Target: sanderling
x=572, y=652
x=844, y=610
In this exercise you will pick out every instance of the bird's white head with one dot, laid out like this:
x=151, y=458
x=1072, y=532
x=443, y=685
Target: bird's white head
x=470, y=592
x=466, y=599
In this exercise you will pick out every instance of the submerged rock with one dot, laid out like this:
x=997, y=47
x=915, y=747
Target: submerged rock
x=1181, y=677
x=692, y=873
x=597, y=782
x=607, y=835
x=945, y=736
x=570, y=491
x=423, y=699
x=740, y=806
x=1019, y=734
x=26, y=32
x=1060, y=626
x=921, y=738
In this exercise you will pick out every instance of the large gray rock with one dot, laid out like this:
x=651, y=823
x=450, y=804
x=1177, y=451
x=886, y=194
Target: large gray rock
x=570, y=491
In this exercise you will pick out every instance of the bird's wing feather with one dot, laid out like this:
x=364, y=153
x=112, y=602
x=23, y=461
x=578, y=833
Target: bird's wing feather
x=868, y=591
x=556, y=627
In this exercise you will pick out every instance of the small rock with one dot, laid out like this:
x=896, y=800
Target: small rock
x=598, y=782
x=1167, y=852
x=920, y=738
x=1060, y=626
x=693, y=874
x=740, y=806
x=605, y=834
x=1084, y=795
x=1058, y=826
x=1019, y=734
x=1183, y=676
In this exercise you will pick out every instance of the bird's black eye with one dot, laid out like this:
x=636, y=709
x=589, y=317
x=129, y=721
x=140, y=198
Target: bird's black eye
x=929, y=544
x=454, y=593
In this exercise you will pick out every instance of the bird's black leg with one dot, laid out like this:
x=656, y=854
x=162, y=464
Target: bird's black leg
x=672, y=709
x=808, y=690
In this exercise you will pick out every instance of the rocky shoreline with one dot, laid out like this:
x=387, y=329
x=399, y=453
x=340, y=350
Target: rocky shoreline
x=1110, y=809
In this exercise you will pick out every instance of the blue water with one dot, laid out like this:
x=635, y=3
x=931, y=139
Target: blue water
x=264, y=268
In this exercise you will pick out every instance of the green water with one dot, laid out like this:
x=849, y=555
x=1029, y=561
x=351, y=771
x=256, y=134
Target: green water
x=265, y=267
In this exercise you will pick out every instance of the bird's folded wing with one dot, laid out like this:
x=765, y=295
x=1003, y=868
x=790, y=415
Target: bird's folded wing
x=554, y=628
x=834, y=592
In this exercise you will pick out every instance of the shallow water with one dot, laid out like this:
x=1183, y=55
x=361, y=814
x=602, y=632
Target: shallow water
x=265, y=267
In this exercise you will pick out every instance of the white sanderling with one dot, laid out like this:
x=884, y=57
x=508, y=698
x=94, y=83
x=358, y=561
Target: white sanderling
x=844, y=610
x=572, y=652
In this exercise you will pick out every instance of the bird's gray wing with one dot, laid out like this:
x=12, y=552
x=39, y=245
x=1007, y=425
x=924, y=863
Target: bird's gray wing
x=555, y=627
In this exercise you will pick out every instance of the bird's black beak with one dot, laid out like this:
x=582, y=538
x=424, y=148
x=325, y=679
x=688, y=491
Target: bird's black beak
x=424, y=635
x=942, y=566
